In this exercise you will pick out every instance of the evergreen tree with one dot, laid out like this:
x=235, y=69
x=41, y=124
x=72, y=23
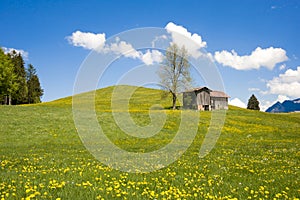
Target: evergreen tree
x=253, y=103
x=20, y=96
x=35, y=92
x=8, y=79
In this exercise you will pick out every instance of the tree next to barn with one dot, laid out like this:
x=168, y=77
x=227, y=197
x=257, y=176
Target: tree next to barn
x=174, y=72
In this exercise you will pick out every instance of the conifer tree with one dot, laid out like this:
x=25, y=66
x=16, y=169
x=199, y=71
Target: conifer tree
x=35, y=92
x=20, y=96
x=253, y=103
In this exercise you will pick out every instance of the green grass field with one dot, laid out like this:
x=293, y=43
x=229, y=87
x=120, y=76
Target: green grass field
x=42, y=157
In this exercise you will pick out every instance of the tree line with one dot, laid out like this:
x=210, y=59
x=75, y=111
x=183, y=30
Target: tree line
x=18, y=85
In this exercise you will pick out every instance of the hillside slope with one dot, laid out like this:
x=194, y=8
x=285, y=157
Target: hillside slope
x=142, y=98
x=42, y=156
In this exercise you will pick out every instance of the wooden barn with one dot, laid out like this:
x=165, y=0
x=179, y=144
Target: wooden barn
x=203, y=98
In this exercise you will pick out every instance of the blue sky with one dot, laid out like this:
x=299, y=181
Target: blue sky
x=254, y=44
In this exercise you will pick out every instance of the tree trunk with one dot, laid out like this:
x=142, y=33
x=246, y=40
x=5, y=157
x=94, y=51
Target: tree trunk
x=174, y=100
x=9, y=99
x=5, y=99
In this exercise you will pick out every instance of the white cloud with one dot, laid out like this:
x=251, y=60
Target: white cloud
x=181, y=36
x=286, y=84
x=22, y=52
x=282, y=98
x=97, y=42
x=87, y=40
x=237, y=102
x=121, y=48
x=258, y=58
x=193, y=42
x=152, y=56
x=171, y=28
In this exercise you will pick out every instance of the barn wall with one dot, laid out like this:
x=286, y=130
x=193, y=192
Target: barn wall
x=219, y=103
x=203, y=98
x=189, y=100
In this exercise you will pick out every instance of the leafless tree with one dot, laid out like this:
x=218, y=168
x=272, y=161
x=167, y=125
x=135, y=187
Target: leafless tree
x=174, y=71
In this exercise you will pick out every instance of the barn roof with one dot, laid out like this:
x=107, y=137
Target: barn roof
x=198, y=89
x=212, y=93
x=218, y=94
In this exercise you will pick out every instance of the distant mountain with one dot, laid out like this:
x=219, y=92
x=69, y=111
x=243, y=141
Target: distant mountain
x=276, y=108
x=286, y=106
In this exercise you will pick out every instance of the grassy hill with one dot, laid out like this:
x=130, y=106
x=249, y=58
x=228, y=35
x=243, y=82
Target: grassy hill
x=42, y=157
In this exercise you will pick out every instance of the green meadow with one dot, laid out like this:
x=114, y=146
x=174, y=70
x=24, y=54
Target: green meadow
x=257, y=155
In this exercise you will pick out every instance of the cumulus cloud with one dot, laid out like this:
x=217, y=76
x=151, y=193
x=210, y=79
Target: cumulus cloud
x=193, y=42
x=237, y=102
x=150, y=57
x=173, y=28
x=87, y=40
x=22, y=52
x=282, y=98
x=286, y=84
x=181, y=36
x=97, y=42
x=121, y=48
x=258, y=58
